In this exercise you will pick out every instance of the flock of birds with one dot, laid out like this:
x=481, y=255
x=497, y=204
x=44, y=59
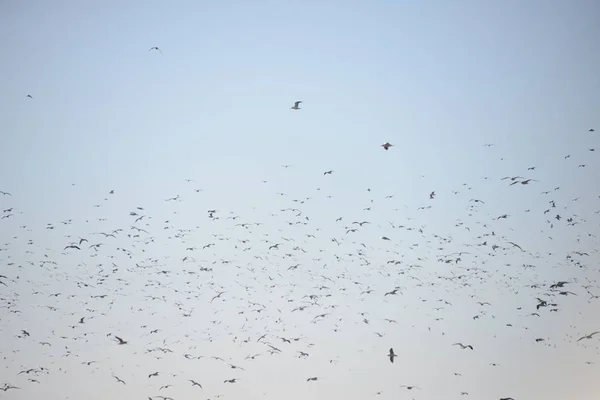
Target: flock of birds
x=158, y=288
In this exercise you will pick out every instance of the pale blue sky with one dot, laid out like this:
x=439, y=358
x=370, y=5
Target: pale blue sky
x=438, y=79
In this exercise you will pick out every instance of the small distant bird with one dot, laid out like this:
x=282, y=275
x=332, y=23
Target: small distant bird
x=313, y=379
x=588, y=336
x=392, y=355
x=328, y=172
x=591, y=129
x=194, y=383
x=121, y=341
x=156, y=48
x=431, y=195
x=387, y=145
x=5, y=193
x=29, y=96
x=462, y=346
x=296, y=105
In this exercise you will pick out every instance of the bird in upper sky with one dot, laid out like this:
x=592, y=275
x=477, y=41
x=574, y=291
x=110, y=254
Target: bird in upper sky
x=156, y=48
x=29, y=96
x=296, y=105
x=462, y=346
x=588, y=336
x=194, y=383
x=392, y=355
x=431, y=195
x=387, y=145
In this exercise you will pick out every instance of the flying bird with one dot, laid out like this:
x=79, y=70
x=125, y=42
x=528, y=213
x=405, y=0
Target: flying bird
x=392, y=355
x=387, y=145
x=194, y=383
x=462, y=346
x=588, y=336
x=156, y=48
x=296, y=105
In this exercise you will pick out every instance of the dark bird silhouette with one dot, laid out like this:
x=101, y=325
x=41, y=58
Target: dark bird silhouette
x=296, y=105
x=156, y=48
x=387, y=145
x=392, y=355
x=590, y=336
x=462, y=346
x=194, y=383
x=121, y=341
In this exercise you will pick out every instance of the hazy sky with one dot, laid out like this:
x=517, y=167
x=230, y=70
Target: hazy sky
x=437, y=79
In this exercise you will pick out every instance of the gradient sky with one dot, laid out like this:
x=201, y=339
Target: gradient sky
x=438, y=79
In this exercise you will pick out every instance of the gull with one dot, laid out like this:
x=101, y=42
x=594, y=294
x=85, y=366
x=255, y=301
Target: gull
x=387, y=145
x=218, y=296
x=236, y=367
x=392, y=355
x=119, y=380
x=410, y=387
x=431, y=195
x=588, y=336
x=121, y=341
x=5, y=193
x=462, y=346
x=155, y=48
x=296, y=105
x=328, y=172
x=313, y=379
x=516, y=245
x=385, y=238
x=194, y=383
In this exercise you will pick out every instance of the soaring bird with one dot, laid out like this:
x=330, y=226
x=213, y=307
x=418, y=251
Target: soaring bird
x=296, y=105
x=29, y=96
x=588, y=336
x=462, y=346
x=387, y=145
x=156, y=48
x=392, y=355
x=121, y=341
x=194, y=383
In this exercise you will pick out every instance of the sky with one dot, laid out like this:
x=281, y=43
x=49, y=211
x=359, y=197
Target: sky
x=207, y=120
